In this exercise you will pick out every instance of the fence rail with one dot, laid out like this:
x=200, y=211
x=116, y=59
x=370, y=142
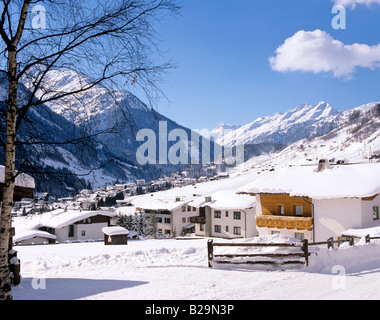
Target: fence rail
x=277, y=258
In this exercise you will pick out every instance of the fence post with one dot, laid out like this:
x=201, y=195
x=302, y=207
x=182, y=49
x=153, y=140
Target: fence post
x=352, y=241
x=305, y=249
x=368, y=238
x=210, y=250
x=330, y=243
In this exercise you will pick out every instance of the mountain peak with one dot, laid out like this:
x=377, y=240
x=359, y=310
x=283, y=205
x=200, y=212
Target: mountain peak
x=282, y=128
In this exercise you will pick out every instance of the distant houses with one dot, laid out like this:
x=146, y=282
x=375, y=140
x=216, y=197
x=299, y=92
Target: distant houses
x=304, y=202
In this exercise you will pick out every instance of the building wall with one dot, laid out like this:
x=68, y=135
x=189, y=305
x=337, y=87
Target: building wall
x=181, y=219
x=333, y=216
x=286, y=232
x=367, y=213
x=270, y=204
x=227, y=224
x=92, y=231
x=34, y=241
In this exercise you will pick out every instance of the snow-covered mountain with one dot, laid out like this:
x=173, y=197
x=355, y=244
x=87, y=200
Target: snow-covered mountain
x=222, y=130
x=304, y=121
x=355, y=137
x=113, y=117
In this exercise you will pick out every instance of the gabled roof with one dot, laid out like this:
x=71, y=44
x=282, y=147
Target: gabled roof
x=340, y=181
x=58, y=219
x=30, y=234
x=22, y=180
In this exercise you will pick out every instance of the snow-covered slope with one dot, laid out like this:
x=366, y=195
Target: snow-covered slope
x=304, y=121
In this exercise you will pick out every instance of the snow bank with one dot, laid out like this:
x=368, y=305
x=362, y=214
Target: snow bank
x=354, y=259
x=360, y=233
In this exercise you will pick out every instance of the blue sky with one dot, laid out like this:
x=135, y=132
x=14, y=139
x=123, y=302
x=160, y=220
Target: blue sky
x=222, y=50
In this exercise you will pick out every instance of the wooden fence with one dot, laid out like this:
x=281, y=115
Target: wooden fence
x=274, y=258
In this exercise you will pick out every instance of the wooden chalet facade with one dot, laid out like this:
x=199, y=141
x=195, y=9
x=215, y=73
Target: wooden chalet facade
x=281, y=213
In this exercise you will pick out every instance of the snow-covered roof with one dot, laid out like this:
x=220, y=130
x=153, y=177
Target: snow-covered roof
x=154, y=203
x=226, y=200
x=22, y=180
x=115, y=231
x=59, y=219
x=342, y=181
x=30, y=234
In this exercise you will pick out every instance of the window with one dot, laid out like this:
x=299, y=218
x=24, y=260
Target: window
x=188, y=208
x=375, y=213
x=183, y=208
x=237, y=215
x=218, y=229
x=237, y=231
x=217, y=214
x=275, y=232
x=194, y=209
x=226, y=214
x=298, y=211
x=281, y=210
x=83, y=233
x=167, y=220
x=299, y=236
x=71, y=231
x=201, y=227
x=227, y=229
x=183, y=220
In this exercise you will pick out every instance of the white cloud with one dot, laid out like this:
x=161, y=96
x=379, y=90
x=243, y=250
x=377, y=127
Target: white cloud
x=317, y=52
x=353, y=3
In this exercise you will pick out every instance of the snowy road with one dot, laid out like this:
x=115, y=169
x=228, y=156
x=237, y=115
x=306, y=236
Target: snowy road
x=177, y=270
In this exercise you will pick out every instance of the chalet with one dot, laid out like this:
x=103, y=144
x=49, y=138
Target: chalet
x=24, y=185
x=64, y=226
x=317, y=202
x=225, y=215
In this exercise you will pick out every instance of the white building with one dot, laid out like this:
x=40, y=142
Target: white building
x=317, y=202
x=61, y=226
x=226, y=215
x=173, y=215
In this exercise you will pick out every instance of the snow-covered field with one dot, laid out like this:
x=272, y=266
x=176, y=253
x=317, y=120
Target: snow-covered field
x=177, y=270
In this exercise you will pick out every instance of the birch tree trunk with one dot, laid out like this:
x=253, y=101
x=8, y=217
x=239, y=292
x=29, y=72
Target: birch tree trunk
x=10, y=157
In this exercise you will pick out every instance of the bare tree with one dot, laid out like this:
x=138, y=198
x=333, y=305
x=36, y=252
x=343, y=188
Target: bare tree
x=109, y=42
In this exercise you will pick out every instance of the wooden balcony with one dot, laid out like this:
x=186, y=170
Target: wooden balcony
x=284, y=222
x=198, y=220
